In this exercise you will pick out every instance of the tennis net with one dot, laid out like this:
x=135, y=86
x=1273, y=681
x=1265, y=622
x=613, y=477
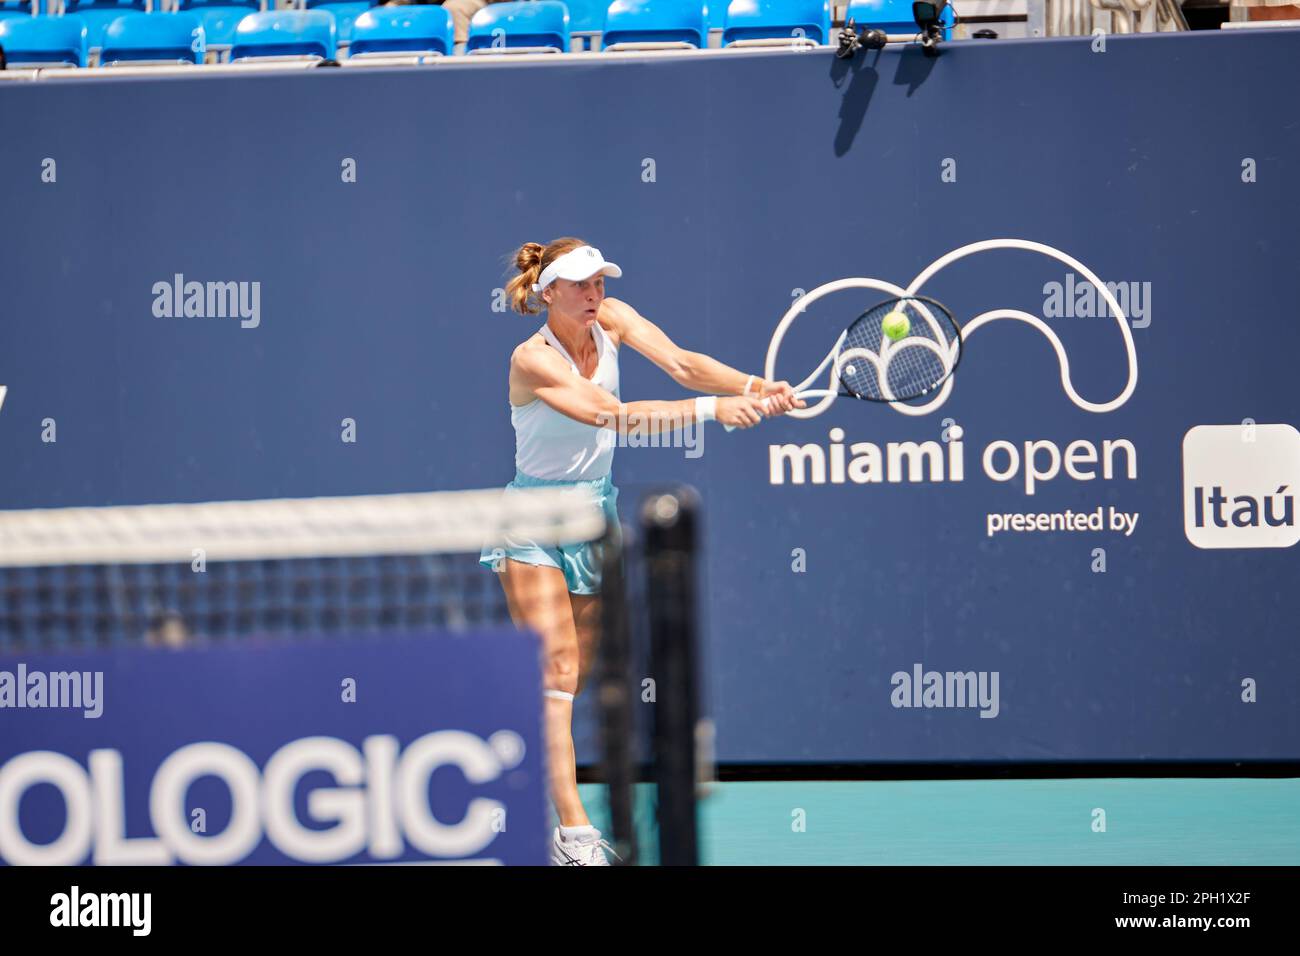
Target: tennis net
x=174, y=573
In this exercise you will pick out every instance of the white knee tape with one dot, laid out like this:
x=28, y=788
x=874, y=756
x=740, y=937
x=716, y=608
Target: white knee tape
x=558, y=695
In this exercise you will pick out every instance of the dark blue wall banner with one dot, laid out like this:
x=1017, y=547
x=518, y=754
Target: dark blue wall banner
x=1081, y=547
x=382, y=750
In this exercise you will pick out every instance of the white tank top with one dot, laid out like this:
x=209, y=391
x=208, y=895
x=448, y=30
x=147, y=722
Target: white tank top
x=552, y=445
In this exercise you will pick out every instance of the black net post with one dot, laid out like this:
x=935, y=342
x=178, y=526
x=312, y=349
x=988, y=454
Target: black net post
x=615, y=696
x=669, y=521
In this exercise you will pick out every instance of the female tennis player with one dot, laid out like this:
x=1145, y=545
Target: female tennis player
x=567, y=415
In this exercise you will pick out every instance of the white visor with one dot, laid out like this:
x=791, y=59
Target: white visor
x=576, y=265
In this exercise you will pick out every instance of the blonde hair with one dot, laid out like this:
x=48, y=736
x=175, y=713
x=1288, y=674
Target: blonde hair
x=530, y=260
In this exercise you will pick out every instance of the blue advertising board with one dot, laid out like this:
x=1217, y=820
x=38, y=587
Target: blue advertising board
x=1081, y=549
x=383, y=750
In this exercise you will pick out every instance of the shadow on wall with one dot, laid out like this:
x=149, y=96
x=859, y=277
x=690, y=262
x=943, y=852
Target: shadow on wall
x=858, y=77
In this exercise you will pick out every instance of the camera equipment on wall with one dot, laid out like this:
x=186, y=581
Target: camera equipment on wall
x=929, y=19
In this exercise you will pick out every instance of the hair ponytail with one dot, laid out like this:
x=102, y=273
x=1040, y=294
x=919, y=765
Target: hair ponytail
x=530, y=259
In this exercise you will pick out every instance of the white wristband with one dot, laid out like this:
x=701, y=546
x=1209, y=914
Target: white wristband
x=706, y=408
x=748, y=382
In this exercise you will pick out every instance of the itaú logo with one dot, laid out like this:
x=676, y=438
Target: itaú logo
x=1240, y=484
x=380, y=803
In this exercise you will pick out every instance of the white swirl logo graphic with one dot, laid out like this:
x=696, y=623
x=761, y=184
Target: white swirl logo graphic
x=839, y=359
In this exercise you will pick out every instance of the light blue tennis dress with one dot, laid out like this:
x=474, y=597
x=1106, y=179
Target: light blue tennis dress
x=553, y=450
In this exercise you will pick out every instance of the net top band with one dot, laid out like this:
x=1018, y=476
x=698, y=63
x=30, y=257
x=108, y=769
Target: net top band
x=355, y=525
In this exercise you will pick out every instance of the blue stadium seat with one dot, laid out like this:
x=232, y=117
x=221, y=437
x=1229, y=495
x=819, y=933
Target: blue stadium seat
x=139, y=38
x=43, y=41
x=661, y=22
x=98, y=14
x=755, y=22
x=892, y=16
x=220, y=17
x=402, y=29
x=15, y=8
x=345, y=14
x=285, y=33
x=532, y=25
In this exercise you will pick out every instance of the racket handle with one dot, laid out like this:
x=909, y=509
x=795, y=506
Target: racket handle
x=732, y=428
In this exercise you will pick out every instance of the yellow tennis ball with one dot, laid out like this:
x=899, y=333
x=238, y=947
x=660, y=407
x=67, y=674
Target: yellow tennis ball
x=895, y=325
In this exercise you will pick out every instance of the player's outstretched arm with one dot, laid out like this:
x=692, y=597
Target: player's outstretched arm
x=693, y=370
x=546, y=376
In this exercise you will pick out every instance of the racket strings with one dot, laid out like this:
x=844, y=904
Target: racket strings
x=919, y=362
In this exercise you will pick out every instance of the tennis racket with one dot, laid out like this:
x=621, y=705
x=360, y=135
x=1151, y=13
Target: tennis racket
x=899, y=350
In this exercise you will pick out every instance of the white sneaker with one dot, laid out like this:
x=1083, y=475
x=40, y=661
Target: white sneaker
x=584, y=848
